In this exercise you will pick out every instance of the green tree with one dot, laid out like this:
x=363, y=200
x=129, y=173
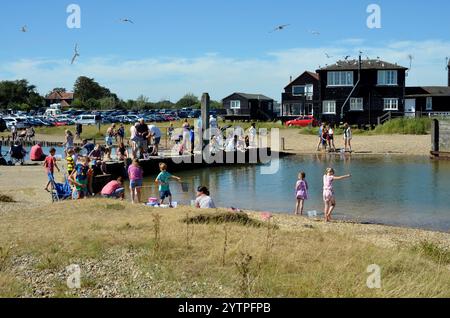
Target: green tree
x=108, y=103
x=92, y=104
x=188, y=100
x=77, y=103
x=19, y=92
x=59, y=90
x=216, y=105
x=87, y=88
x=141, y=102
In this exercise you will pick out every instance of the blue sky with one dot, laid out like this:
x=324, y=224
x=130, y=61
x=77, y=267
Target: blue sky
x=219, y=46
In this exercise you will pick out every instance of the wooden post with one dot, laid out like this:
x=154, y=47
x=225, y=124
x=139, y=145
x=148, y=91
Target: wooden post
x=205, y=117
x=435, y=135
x=283, y=144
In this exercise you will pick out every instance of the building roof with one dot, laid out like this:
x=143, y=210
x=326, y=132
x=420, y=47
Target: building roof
x=427, y=91
x=365, y=65
x=252, y=96
x=312, y=74
x=60, y=96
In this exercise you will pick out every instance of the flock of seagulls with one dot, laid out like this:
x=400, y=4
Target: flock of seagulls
x=76, y=53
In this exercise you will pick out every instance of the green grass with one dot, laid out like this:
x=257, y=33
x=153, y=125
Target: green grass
x=398, y=126
x=326, y=262
x=404, y=126
x=434, y=252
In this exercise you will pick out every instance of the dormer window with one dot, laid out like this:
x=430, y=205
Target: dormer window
x=340, y=78
x=387, y=78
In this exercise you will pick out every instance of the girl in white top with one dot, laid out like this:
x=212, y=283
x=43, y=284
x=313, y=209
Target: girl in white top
x=348, y=137
x=331, y=138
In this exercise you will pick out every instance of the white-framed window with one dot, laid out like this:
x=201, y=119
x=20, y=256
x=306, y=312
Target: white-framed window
x=309, y=91
x=329, y=107
x=388, y=78
x=357, y=104
x=429, y=103
x=235, y=104
x=340, y=78
x=391, y=104
x=303, y=90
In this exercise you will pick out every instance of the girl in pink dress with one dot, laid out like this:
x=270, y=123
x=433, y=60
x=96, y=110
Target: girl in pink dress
x=328, y=192
x=301, y=190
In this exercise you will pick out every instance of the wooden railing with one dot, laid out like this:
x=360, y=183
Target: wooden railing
x=386, y=117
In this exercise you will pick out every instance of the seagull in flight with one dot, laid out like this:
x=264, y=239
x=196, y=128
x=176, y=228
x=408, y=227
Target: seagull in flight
x=127, y=20
x=75, y=55
x=280, y=28
x=346, y=57
x=24, y=29
x=411, y=58
x=328, y=56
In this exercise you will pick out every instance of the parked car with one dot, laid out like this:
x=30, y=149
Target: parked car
x=195, y=114
x=87, y=119
x=19, y=122
x=303, y=121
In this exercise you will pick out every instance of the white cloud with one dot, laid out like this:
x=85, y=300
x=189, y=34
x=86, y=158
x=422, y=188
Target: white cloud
x=172, y=77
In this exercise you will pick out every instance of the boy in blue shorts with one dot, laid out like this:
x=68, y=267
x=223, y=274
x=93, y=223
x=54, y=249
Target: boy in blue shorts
x=163, y=180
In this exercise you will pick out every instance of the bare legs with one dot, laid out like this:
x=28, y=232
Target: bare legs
x=135, y=195
x=329, y=208
x=299, y=207
x=348, y=145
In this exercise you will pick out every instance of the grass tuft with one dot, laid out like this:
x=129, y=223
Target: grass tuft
x=6, y=199
x=434, y=252
x=226, y=217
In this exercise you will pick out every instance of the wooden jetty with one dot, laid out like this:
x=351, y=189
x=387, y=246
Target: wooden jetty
x=440, y=140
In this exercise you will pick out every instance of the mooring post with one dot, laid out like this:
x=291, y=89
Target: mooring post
x=435, y=136
x=205, y=118
x=282, y=144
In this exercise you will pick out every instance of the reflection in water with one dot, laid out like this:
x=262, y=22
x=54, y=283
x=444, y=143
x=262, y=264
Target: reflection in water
x=409, y=191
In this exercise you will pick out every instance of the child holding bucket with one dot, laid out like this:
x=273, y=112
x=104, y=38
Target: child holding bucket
x=328, y=192
x=301, y=190
x=163, y=180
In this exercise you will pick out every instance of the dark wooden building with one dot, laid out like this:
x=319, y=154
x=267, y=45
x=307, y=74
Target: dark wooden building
x=242, y=106
x=57, y=97
x=428, y=100
x=301, y=97
x=360, y=91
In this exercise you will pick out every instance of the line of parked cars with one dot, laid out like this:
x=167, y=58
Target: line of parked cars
x=24, y=120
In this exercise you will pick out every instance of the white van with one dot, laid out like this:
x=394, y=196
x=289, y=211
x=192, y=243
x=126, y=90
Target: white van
x=52, y=112
x=87, y=119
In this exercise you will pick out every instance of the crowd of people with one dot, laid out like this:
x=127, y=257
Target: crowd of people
x=89, y=160
x=326, y=138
